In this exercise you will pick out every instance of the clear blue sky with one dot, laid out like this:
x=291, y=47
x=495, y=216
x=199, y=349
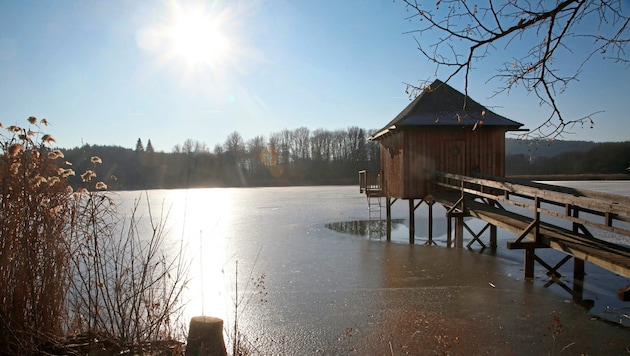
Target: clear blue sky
x=110, y=72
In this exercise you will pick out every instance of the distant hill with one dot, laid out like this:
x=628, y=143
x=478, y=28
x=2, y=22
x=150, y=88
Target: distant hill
x=544, y=148
x=602, y=158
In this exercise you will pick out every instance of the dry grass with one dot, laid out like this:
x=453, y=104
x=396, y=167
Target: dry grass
x=69, y=265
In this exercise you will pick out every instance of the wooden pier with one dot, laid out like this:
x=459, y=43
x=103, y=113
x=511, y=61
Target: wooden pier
x=541, y=216
x=571, y=215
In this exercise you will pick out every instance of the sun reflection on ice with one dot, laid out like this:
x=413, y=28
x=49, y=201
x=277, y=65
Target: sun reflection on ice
x=205, y=213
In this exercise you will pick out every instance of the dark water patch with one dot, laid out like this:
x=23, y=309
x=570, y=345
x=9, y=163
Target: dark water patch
x=377, y=229
x=365, y=228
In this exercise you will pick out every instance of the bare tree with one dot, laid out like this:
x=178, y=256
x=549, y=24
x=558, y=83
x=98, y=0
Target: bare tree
x=234, y=146
x=535, y=37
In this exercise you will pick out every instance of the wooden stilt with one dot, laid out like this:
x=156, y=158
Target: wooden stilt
x=412, y=223
x=388, y=209
x=529, y=262
x=430, y=232
x=578, y=278
x=493, y=236
x=459, y=231
x=449, y=230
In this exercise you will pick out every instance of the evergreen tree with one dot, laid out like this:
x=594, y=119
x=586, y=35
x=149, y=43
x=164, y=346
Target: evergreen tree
x=149, y=147
x=139, y=146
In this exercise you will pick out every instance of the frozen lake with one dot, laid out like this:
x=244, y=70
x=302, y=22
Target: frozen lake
x=312, y=280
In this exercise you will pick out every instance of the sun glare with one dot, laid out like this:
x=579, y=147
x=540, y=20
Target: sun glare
x=197, y=37
x=198, y=40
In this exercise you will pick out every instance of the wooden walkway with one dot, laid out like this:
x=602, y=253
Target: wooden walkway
x=537, y=213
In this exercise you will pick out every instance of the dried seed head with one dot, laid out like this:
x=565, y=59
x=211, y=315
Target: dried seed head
x=32, y=120
x=55, y=154
x=14, y=168
x=14, y=129
x=67, y=173
x=53, y=180
x=96, y=159
x=88, y=175
x=15, y=149
x=100, y=185
x=37, y=181
x=47, y=138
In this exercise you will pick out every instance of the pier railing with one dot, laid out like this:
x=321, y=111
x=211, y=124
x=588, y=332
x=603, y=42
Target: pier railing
x=370, y=182
x=607, y=212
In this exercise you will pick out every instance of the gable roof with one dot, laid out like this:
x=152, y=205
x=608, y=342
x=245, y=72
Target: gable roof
x=441, y=105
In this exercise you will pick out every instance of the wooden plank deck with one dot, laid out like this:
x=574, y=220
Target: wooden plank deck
x=613, y=257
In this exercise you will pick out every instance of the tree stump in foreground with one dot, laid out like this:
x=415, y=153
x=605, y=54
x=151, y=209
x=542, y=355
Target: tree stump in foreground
x=205, y=336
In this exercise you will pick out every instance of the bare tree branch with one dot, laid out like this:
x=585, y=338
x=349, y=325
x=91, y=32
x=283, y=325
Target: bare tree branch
x=461, y=35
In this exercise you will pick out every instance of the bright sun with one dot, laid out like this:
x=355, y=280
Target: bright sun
x=198, y=39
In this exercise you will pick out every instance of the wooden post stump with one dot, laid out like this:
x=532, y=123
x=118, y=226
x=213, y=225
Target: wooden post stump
x=205, y=336
x=624, y=294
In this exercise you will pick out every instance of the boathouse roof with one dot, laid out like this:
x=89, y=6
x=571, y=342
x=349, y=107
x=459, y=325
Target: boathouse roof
x=440, y=105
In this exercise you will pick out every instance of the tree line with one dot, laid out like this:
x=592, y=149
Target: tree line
x=297, y=157
x=288, y=157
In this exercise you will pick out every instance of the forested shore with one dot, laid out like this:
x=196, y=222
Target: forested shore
x=318, y=157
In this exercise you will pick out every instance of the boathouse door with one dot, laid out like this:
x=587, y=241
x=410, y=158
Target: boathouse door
x=453, y=157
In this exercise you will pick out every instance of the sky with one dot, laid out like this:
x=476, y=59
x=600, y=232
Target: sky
x=110, y=72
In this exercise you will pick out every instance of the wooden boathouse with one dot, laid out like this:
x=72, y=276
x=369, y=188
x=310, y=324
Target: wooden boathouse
x=446, y=148
x=441, y=130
